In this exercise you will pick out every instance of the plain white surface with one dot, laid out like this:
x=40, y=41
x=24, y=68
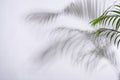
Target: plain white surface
x=20, y=42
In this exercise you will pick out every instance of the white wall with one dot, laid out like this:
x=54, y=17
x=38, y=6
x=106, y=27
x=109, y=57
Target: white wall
x=20, y=42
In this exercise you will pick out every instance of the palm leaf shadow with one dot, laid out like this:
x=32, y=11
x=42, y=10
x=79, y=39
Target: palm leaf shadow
x=76, y=39
x=83, y=9
x=82, y=46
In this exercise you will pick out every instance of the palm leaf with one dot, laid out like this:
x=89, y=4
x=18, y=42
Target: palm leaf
x=111, y=34
x=110, y=16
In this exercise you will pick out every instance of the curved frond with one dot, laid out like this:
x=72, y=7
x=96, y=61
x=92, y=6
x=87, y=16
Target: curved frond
x=113, y=35
x=109, y=17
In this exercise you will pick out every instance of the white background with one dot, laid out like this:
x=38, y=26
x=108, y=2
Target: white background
x=20, y=42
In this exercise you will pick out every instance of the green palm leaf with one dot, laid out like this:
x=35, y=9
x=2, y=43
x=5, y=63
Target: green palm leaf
x=111, y=34
x=110, y=16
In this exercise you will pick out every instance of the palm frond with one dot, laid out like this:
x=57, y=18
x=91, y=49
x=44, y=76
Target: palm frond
x=113, y=35
x=109, y=17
